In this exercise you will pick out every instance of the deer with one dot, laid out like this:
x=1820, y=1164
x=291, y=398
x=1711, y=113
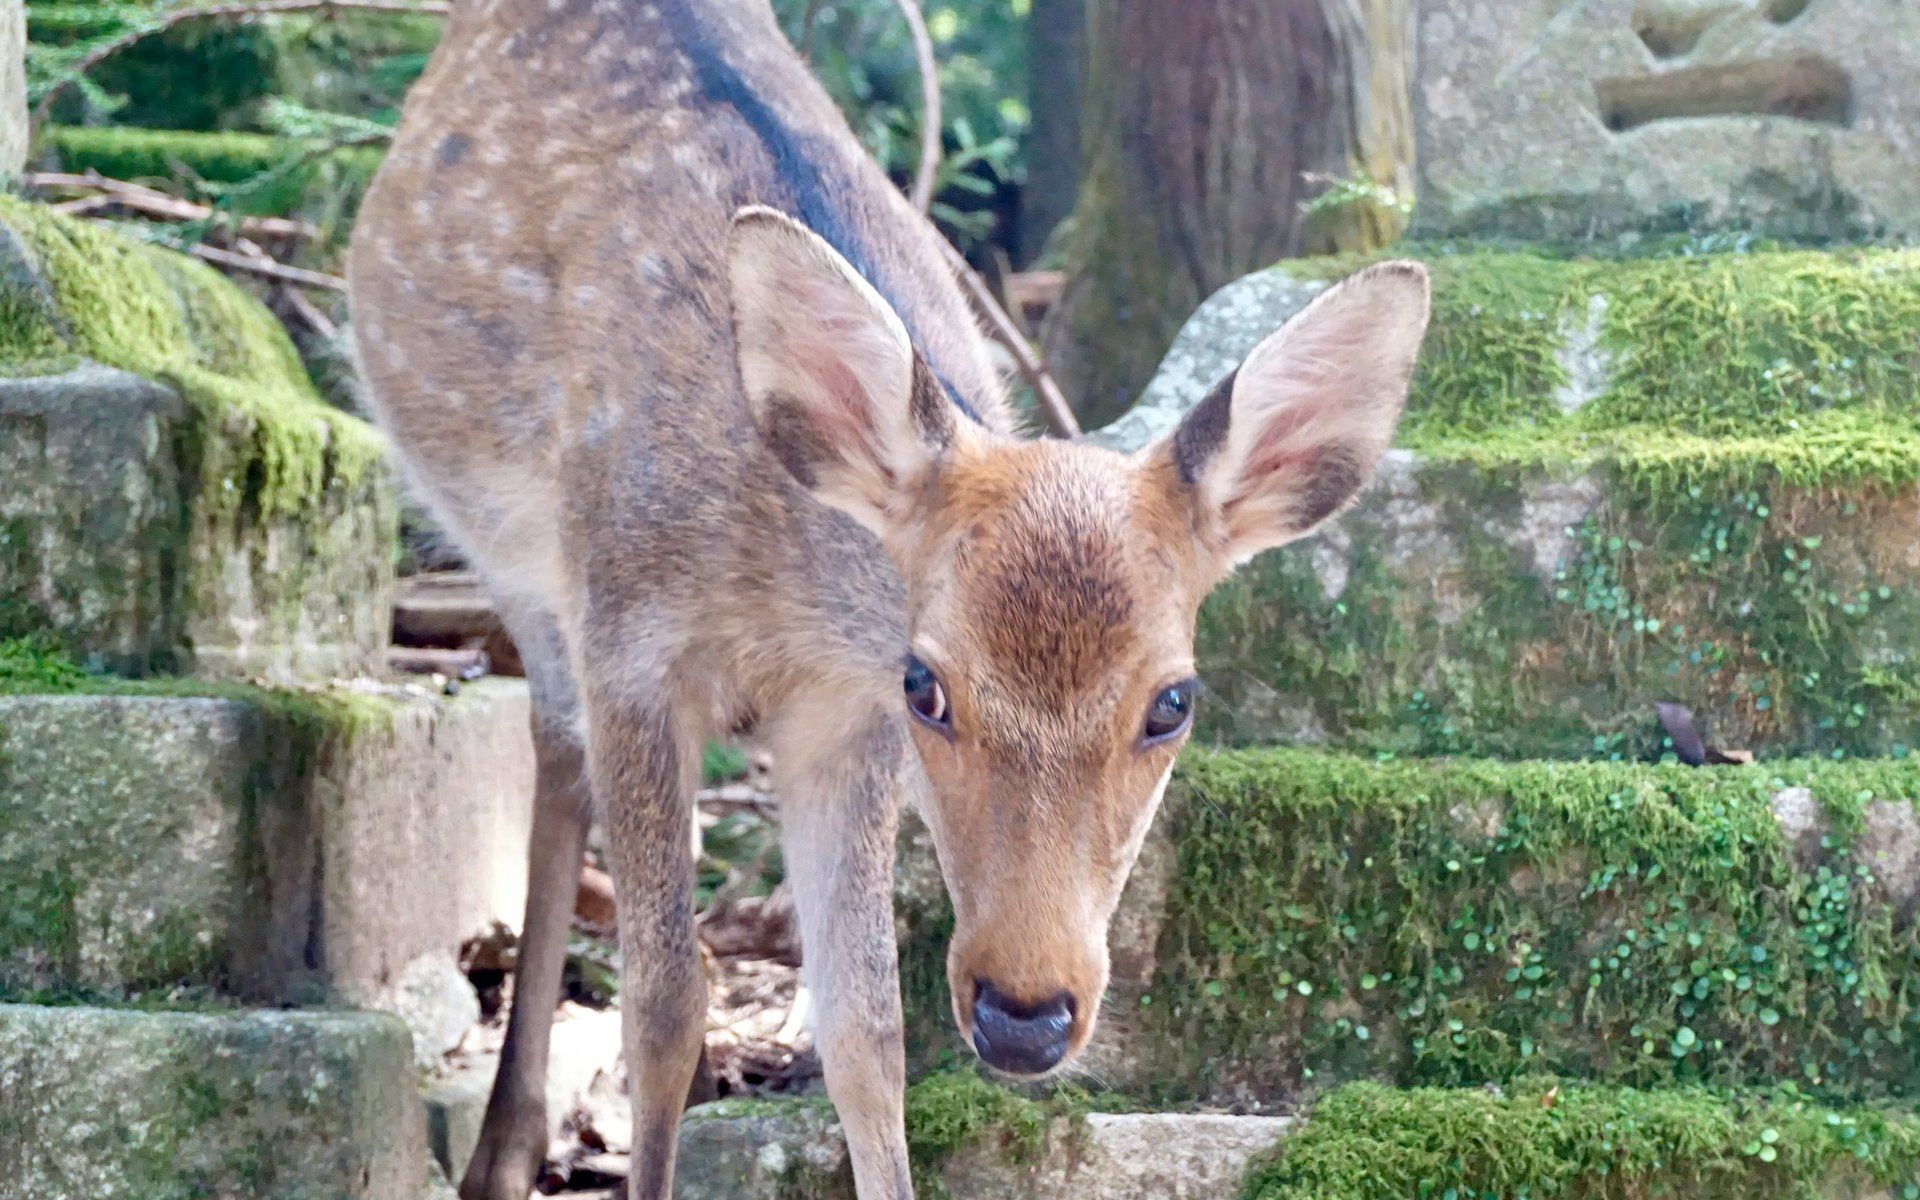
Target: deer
x=692, y=385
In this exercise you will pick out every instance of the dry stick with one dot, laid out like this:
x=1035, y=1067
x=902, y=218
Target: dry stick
x=268, y=268
x=180, y=16
x=157, y=203
x=922, y=193
x=1000, y=326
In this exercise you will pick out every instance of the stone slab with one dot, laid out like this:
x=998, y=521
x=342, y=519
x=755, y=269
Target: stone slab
x=770, y=1153
x=1556, y=545
x=179, y=499
x=1531, y=875
x=151, y=843
x=102, y=1103
x=1558, y=120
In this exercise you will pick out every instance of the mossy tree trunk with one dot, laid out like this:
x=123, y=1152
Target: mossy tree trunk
x=1056, y=50
x=1209, y=127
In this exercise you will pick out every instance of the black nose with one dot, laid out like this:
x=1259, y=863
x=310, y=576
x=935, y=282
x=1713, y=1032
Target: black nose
x=1020, y=1039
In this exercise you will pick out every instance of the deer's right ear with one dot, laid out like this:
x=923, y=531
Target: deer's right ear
x=832, y=382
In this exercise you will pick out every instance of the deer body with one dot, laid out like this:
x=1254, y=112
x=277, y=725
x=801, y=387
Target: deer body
x=717, y=468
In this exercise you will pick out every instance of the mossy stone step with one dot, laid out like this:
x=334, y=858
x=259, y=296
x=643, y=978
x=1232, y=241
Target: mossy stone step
x=179, y=496
x=173, y=1105
x=1618, y=482
x=1300, y=918
x=273, y=846
x=1539, y=1137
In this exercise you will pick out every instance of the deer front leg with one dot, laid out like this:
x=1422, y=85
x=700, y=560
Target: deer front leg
x=642, y=765
x=839, y=794
x=513, y=1137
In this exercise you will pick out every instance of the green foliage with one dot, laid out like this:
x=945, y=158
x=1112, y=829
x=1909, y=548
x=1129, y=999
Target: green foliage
x=861, y=51
x=1542, y=1139
x=1460, y=921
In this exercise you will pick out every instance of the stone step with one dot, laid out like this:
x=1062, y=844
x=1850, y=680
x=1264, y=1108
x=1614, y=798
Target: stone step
x=260, y=1105
x=179, y=497
x=332, y=846
x=1618, y=482
x=1300, y=918
x=1361, y=1142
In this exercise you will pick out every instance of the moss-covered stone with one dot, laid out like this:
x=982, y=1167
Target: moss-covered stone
x=1621, y=481
x=1542, y=1138
x=265, y=845
x=1303, y=918
x=178, y=1106
x=227, y=520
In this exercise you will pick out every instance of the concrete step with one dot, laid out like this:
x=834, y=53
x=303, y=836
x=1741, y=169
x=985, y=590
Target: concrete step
x=974, y=1142
x=1618, y=482
x=1299, y=918
x=240, y=1106
x=179, y=497
x=331, y=846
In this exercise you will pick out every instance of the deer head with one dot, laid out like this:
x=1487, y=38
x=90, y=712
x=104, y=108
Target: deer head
x=1052, y=588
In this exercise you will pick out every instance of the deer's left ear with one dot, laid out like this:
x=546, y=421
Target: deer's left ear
x=1288, y=439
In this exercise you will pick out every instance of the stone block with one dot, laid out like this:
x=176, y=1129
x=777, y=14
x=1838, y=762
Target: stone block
x=1543, y=119
x=1300, y=918
x=283, y=847
x=765, y=1152
x=179, y=497
x=166, y=1106
x=1616, y=483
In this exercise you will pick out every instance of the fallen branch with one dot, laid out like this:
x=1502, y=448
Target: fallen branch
x=159, y=204
x=1000, y=327
x=180, y=16
x=267, y=268
x=923, y=178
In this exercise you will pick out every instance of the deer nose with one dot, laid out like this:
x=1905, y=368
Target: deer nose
x=1020, y=1039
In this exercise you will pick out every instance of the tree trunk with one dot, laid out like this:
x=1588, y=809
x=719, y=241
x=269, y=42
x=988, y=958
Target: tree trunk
x=13, y=89
x=1056, y=54
x=1210, y=125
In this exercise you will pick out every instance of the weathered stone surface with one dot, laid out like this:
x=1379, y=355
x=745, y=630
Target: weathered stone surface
x=149, y=843
x=1505, y=882
x=1611, y=491
x=1543, y=119
x=191, y=504
x=766, y=1152
x=103, y=1104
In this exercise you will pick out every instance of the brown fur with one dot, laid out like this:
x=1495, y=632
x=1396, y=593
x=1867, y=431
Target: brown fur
x=545, y=305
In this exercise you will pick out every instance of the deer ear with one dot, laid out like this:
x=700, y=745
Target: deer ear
x=1288, y=439
x=834, y=386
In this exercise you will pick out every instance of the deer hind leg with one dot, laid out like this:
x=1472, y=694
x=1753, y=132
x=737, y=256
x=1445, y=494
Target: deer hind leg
x=513, y=1136
x=839, y=809
x=643, y=757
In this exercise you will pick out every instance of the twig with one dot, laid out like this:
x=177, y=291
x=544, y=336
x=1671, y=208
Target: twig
x=1001, y=328
x=268, y=268
x=180, y=16
x=922, y=193
x=806, y=29
x=157, y=203
x=309, y=312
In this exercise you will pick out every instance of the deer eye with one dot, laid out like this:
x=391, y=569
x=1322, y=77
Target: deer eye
x=1170, y=713
x=925, y=697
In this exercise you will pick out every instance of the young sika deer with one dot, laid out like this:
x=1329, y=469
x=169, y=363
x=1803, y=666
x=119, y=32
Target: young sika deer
x=689, y=381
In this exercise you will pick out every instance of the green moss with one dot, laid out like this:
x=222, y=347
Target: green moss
x=304, y=718
x=1454, y=922
x=1800, y=360
x=1783, y=613
x=255, y=173
x=1541, y=1139
x=270, y=439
